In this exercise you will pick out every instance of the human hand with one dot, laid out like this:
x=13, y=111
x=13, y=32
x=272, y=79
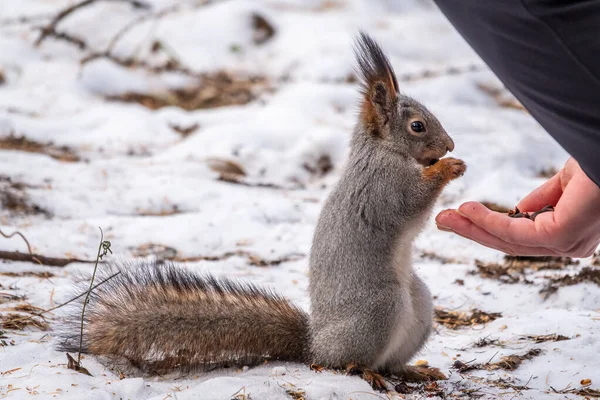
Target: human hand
x=573, y=229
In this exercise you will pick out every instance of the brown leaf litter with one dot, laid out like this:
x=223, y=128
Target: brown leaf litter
x=76, y=366
x=226, y=168
x=166, y=253
x=501, y=383
x=321, y=166
x=554, y=337
x=214, y=90
x=516, y=268
x=501, y=96
x=430, y=255
x=263, y=29
x=295, y=392
x=233, y=172
x=185, y=131
x=459, y=319
x=507, y=363
x=9, y=297
x=21, y=143
x=165, y=211
x=14, y=198
x=585, y=275
x=16, y=321
x=425, y=390
x=547, y=172
x=586, y=392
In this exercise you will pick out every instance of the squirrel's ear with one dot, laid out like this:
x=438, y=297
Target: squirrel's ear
x=378, y=82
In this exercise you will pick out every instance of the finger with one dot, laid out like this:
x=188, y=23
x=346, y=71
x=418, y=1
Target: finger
x=518, y=231
x=547, y=194
x=451, y=220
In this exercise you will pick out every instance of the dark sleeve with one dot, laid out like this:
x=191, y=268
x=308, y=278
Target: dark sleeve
x=547, y=53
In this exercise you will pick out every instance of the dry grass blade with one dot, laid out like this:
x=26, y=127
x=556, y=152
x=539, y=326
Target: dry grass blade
x=460, y=319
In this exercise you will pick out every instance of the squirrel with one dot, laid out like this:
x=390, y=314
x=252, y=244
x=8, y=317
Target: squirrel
x=368, y=307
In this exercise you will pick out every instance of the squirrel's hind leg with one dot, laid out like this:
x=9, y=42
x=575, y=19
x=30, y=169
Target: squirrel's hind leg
x=414, y=328
x=350, y=336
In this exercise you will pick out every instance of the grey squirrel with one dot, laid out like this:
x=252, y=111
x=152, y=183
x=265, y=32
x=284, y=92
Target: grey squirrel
x=368, y=307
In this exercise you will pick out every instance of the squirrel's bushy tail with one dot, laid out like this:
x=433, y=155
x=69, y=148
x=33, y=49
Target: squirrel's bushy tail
x=163, y=317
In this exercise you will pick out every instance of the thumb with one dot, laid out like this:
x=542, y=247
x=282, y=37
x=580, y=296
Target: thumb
x=547, y=194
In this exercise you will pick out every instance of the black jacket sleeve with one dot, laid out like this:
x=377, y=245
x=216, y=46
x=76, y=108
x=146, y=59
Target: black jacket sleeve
x=547, y=53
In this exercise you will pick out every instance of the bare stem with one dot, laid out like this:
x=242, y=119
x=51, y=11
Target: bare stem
x=87, y=297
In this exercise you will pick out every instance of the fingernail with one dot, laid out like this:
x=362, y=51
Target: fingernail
x=444, y=228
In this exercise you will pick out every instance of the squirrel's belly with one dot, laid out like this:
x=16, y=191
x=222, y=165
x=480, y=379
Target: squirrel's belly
x=406, y=337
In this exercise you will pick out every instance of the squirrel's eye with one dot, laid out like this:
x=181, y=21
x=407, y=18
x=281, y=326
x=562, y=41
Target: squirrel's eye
x=417, y=126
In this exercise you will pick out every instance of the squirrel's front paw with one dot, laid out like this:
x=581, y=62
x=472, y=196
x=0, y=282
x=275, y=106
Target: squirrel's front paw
x=445, y=170
x=452, y=167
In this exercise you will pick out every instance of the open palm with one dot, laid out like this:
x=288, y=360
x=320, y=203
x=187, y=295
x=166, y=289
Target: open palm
x=573, y=229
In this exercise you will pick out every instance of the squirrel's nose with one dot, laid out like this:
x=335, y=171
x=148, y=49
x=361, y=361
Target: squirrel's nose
x=450, y=145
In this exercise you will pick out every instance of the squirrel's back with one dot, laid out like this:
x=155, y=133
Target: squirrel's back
x=163, y=317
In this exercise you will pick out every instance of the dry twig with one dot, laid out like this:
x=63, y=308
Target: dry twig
x=50, y=29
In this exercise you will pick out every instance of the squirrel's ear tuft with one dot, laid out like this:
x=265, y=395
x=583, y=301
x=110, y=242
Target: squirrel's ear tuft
x=378, y=81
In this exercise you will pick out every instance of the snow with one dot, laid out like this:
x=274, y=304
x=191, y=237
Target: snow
x=134, y=163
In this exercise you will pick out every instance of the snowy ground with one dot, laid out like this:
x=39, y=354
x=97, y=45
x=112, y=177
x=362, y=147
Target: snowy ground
x=145, y=183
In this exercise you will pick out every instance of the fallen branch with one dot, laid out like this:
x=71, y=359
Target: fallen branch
x=43, y=260
x=252, y=258
x=236, y=179
x=107, y=53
